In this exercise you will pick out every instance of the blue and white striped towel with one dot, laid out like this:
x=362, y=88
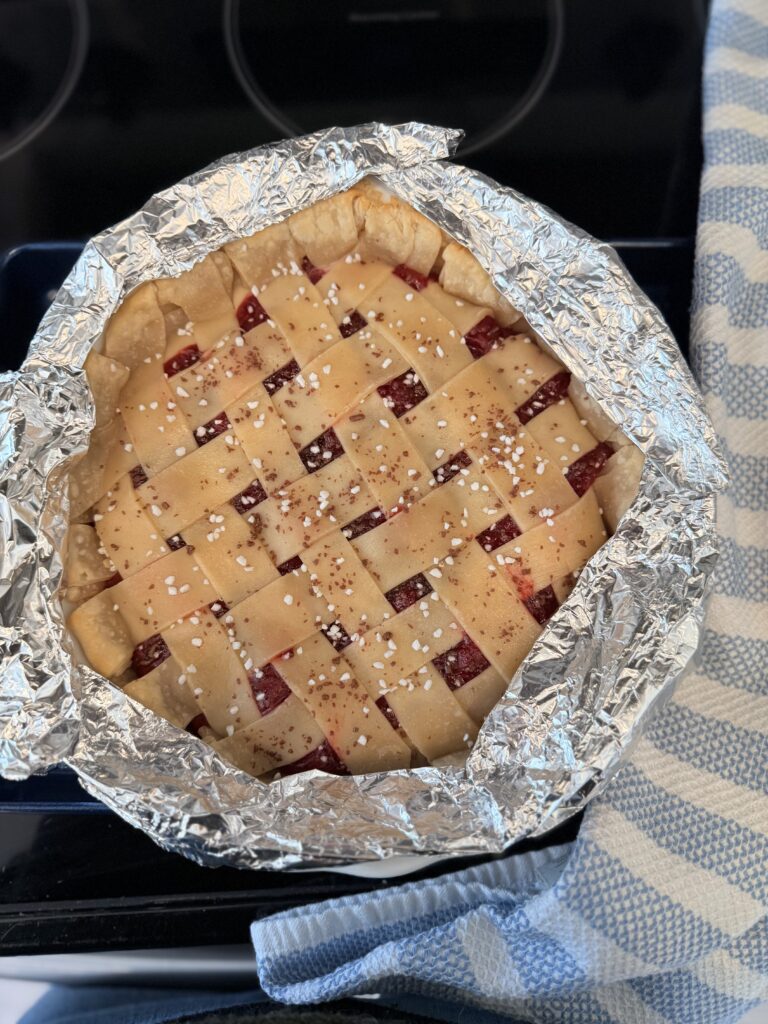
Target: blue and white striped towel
x=660, y=913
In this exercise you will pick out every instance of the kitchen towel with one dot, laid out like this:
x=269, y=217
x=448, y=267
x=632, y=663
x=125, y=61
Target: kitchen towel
x=659, y=911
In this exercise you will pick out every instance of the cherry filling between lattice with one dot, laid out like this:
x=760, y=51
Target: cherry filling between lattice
x=338, y=510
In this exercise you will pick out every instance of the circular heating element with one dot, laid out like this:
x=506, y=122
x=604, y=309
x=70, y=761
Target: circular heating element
x=483, y=67
x=42, y=52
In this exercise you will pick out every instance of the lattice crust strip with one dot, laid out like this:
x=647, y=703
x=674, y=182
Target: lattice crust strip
x=330, y=500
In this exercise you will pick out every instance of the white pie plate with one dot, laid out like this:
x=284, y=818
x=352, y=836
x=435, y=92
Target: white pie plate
x=392, y=867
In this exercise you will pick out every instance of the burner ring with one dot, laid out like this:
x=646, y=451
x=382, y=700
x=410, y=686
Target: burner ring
x=481, y=140
x=72, y=72
x=538, y=85
x=239, y=64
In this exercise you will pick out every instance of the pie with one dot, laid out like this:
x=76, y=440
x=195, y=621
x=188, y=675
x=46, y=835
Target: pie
x=334, y=491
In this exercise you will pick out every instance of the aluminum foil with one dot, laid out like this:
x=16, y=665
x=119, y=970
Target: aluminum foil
x=579, y=699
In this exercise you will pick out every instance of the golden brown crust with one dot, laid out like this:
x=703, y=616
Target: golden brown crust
x=462, y=275
x=106, y=378
x=393, y=232
x=159, y=691
x=328, y=230
x=86, y=562
x=255, y=258
x=617, y=487
x=136, y=330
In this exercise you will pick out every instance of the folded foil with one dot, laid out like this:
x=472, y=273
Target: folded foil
x=582, y=695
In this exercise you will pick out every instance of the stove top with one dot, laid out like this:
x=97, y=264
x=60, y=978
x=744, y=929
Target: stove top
x=590, y=106
x=74, y=877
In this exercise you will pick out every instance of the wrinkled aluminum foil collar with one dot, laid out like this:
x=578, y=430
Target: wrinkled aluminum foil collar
x=581, y=696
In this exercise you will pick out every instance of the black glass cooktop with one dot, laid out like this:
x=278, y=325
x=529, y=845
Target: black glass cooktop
x=74, y=878
x=588, y=105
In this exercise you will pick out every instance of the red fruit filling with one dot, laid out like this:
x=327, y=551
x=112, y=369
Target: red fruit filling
x=336, y=635
x=198, y=723
x=324, y=758
x=183, y=359
x=149, y=654
x=383, y=705
x=313, y=273
x=276, y=380
x=250, y=313
x=138, y=476
x=367, y=521
x=408, y=592
x=584, y=471
x=550, y=392
x=401, y=393
x=292, y=565
x=212, y=429
x=411, y=276
x=461, y=664
x=484, y=335
x=268, y=687
x=322, y=451
x=499, y=533
x=543, y=605
x=522, y=581
x=245, y=500
x=454, y=465
x=176, y=542
x=219, y=608
x=352, y=323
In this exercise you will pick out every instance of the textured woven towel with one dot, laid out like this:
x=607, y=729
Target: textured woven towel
x=660, y=912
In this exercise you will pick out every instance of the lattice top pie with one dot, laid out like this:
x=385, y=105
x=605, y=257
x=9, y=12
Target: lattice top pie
x=334, y=492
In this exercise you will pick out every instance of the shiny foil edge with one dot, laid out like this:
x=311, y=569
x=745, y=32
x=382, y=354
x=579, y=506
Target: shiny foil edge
x=541, y=754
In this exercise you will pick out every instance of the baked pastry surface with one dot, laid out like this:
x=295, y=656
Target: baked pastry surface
x=334, y=492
